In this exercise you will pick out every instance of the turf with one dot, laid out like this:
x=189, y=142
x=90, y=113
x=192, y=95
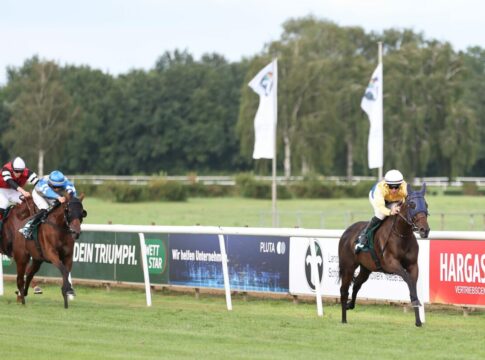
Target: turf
x=117, y=324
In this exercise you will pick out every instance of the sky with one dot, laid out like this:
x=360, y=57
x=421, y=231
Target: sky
x=117, y=36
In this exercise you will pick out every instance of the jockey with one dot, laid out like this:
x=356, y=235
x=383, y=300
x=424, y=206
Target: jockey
x=14, y=176
x=385, y=197
x=48, y=192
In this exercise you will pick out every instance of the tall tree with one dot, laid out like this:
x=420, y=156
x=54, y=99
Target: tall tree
x=41, y=113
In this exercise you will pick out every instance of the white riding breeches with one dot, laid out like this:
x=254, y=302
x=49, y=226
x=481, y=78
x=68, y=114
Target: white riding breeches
x=39, y=200
x=9, y=196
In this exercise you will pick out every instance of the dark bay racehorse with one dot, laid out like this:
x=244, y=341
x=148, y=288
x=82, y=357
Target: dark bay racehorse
x=17, y=217
x=395, y=248
x=54, y=244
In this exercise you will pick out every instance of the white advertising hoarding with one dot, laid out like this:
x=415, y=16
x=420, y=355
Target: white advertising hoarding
x=379, y=286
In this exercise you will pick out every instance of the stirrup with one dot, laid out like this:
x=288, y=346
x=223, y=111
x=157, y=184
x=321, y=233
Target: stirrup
x=359, y=247
x=26, y=233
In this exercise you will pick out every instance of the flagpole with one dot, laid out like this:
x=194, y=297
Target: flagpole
x=379, y=54
x=273, y=186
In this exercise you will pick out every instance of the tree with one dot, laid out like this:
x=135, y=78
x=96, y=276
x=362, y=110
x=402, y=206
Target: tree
x=41, y=113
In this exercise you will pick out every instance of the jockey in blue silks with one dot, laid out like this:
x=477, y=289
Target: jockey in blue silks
x=47, y=194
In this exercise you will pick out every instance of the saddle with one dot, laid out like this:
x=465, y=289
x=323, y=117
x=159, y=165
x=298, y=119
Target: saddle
x=369, y=246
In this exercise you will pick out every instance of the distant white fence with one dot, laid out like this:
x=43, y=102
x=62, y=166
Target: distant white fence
x=230, y=180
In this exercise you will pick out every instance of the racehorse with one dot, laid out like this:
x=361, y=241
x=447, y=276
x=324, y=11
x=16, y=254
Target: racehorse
x=16, y=218
x=54, y=243
x=394, y=251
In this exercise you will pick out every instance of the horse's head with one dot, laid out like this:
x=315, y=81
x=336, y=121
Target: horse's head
x=74, y=214
x=415, y=211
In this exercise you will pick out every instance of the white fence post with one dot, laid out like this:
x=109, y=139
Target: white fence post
x=225, y=272
x=146, y=275
x=316, y=276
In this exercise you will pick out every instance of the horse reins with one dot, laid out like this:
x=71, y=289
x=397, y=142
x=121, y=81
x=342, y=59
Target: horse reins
x=65, y=228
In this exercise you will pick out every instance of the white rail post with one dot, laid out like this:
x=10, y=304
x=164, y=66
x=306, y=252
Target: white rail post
x=146, y=276
x=225, y=272
x=316, y=277
x=1, y=274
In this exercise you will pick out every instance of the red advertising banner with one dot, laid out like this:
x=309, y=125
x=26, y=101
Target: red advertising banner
x=457, y=272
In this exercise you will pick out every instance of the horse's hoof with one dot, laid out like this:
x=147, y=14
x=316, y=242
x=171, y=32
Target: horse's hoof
x=415, y=303
x=419, y=324
x=38, y=290
x=71, y=296
x=350, y=306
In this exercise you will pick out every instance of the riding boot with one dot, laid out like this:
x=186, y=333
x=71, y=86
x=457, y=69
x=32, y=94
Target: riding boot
x=362, y=239
x=30, y=225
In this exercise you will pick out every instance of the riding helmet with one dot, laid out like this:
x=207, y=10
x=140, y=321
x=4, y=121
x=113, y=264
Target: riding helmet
x=18, y=164
x=56, y=179
x=393, y=177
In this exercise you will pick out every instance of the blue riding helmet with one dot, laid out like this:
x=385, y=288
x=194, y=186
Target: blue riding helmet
x=57, y=179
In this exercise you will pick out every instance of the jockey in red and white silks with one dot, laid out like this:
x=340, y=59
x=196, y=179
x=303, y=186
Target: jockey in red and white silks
x=14, y=176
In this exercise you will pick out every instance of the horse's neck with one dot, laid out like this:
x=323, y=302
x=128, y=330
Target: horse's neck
x=23, y=210
x=402, y=225
x=57, y=215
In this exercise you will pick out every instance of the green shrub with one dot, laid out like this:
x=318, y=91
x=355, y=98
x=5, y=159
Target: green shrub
x=361, y=189
x=211, y=190
x=166, y=190
x=470, y=188
x=453, y=191
x=127, y=193
x=313, y=188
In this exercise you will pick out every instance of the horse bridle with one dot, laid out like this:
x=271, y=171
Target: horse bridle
x=67, y=221
x=412, y=213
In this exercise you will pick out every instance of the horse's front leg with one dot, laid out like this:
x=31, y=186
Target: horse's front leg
x=65, y=276
x=413, y=271
x=21, y=267
x=359, y=280
x=31, y=271
x=68, y=264
x=396, y=268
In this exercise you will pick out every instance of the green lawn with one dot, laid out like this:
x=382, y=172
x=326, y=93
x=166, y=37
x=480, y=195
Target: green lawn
x=447, y=212
x=117, y=324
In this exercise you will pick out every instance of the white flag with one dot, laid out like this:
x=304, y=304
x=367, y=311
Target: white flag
x=265, y=84
x=372, y=104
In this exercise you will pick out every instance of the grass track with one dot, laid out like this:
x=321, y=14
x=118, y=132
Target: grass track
x=118, y=325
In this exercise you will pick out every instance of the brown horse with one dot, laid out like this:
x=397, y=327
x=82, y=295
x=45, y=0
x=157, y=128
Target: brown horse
x=395, y=251
x=54, y=244
x=17, y=216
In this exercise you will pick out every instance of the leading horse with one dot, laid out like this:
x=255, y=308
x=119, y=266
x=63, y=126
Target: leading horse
x=394, y=251
x=54, y=243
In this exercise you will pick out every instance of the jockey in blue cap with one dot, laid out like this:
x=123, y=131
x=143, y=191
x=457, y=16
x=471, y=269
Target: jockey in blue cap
x=48, y=192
